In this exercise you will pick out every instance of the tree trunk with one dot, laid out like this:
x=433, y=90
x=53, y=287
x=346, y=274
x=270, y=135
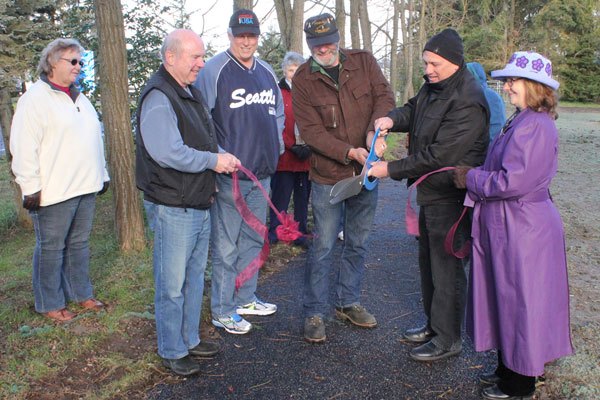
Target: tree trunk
x=283, y=8
x=290, y=19
x=297, y=25
x=365, y=26
x=129, y=223
x=6, y=116
x=237, y=4
x=354, y=27
x=394, y=70
x=340, y=20
x=409, y=89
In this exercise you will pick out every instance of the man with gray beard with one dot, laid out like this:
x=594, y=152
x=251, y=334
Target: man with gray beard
x=337, y=95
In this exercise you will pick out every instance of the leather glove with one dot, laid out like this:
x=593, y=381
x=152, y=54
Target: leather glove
x=460, y=176
x=104, y=188
x=31, y=202
x=302, y=151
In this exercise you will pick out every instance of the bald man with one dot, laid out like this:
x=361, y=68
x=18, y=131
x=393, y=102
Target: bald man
x=177, y=159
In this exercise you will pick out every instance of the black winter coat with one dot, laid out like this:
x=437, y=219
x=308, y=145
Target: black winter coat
x=448, y=125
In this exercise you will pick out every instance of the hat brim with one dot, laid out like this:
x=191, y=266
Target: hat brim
x=509, y=72
x=240, y=30
x=327, y=39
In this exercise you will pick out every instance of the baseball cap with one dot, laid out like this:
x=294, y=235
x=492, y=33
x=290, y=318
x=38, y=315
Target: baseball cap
x=320, y=30
x=244, y=21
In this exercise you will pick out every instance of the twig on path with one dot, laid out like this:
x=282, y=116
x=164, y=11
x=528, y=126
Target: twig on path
x=259, y=385
x=402, y=316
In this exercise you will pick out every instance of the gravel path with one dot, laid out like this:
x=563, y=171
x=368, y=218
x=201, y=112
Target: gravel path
x=274, y=362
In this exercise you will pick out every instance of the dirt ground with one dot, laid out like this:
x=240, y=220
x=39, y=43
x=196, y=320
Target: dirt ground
x=576, y=192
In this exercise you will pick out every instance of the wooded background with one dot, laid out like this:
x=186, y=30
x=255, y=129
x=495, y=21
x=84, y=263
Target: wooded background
x=566, y=31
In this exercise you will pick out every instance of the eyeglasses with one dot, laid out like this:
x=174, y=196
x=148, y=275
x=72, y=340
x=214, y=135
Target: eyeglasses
x=74, y=61
x=511, y=81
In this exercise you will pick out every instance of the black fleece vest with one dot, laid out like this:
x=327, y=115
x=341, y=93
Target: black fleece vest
x=168, y=186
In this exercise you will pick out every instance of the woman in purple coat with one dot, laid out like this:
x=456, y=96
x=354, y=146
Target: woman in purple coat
x=519, y=295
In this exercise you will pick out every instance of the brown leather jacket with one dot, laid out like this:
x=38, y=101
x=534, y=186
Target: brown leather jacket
x=335, y=118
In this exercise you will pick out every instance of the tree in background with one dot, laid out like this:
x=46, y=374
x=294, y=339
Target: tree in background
x=26, y=27
x=112, y=61
x=290, y=18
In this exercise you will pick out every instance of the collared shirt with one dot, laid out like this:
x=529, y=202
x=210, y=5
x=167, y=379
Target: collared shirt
x=163, y=141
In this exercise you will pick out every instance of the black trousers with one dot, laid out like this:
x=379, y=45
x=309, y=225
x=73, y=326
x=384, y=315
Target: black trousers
x=283, y=184
x=513, y=383
x=443, y=276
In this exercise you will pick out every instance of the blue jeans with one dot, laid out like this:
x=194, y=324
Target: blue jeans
x=181, y=239
x=61, y=257
x=359, y=213
x=234, y=245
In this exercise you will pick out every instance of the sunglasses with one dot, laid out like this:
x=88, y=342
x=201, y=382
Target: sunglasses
x=511, y=81
x=74, y=61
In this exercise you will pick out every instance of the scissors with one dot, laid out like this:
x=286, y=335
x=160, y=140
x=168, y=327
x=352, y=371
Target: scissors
x=352, y=186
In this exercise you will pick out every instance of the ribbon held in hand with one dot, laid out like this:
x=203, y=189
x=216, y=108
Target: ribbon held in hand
x=286, y=232
x=412, y=222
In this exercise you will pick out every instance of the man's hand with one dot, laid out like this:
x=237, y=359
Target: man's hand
x=380, y=146
x=460, y=176
x=104, y=189
x=358, y=154
x=226, y=163
x=31, y=202
x=379, y=169
x=383, y=124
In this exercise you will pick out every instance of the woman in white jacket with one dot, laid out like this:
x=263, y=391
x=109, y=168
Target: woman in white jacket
x=58, y=161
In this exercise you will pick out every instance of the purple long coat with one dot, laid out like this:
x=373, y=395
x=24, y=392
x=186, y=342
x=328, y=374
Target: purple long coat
x=519, y=294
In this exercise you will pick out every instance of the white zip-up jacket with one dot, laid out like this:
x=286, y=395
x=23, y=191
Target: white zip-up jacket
x=57, y=145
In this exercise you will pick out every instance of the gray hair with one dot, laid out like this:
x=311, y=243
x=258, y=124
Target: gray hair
x=291, y=58
x=171, y=43
x=53, y=51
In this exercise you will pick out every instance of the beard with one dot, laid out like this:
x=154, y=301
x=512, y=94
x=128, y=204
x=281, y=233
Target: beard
x=328, y=59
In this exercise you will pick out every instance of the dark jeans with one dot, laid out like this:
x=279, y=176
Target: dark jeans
x=443, y=277
x=513, y=383
x=360, y=210
x=283, y=183
x=61, y=257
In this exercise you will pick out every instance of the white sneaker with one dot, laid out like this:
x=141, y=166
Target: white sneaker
x=257, y=307
x=341, y=235
x=233, y=324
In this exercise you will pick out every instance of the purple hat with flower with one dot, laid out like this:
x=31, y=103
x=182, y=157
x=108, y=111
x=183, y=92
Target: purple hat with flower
x=530, y=65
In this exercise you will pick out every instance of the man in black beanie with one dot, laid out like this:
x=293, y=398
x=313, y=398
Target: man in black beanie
x=447, y=123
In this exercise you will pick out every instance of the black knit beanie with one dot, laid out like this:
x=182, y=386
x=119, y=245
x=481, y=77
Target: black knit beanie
x=447, y=44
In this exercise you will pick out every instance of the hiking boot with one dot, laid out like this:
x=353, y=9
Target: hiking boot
x=182, y=366
x=356, y=314
x=314, y=329
x=257, y=307
x=233, y=324
x=205, y=349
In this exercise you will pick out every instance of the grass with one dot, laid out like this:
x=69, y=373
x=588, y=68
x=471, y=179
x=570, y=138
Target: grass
x=568, y=104
x=96, y=356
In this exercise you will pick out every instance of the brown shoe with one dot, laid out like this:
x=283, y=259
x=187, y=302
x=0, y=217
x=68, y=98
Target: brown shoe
x=92, y=305
x=63, y=315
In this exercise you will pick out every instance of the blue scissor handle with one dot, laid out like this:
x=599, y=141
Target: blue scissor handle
x=370, y=182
